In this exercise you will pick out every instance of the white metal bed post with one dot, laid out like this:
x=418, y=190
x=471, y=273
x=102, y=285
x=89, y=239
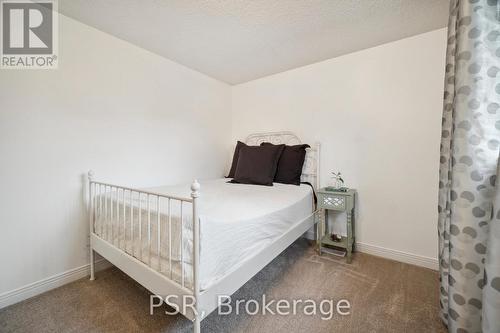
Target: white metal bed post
x=195, y=187
x=90, y=176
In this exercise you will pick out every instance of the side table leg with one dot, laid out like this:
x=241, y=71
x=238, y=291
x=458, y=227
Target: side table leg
x=353, y=227
x=318, y=231
x=322, y=222
x=322, y=229
x=349, y=237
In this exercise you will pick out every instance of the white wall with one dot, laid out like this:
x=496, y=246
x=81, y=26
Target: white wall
x=377, y=114
x=132, y=116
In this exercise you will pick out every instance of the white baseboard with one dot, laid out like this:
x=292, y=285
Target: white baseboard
x=38, y=287
x=396, y=255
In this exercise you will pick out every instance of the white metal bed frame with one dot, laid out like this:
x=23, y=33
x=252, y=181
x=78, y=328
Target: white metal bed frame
x=151, y=277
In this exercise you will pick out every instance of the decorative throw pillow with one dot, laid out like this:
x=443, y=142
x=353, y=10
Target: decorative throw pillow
x=257, y=164
x=236, y=155
x=290, y=164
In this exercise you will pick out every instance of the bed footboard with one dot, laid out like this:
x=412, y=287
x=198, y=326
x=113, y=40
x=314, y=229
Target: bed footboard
x=144, y=234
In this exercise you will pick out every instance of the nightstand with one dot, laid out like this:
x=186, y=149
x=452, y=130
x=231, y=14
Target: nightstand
x=336, y=201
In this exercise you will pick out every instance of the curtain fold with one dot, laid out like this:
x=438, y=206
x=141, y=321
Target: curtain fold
x=491, y=291
x=469, y=234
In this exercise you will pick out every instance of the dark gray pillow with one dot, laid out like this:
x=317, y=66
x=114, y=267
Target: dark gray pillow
x=236, y=155
x=290, y=164
x=257, y=164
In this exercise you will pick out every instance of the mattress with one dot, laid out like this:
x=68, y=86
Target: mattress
x=237, y=221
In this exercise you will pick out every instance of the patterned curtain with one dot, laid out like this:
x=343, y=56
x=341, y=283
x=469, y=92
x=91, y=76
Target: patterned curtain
x=469, y=228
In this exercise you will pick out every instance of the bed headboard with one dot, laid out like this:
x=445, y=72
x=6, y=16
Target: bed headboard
x=310, y=171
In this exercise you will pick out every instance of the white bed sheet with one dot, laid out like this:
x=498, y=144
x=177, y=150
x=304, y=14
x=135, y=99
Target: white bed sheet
x=236, y=222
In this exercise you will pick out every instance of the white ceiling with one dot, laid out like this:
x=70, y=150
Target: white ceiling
x=240, y=40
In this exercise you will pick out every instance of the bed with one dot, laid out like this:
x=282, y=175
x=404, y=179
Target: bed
x=200, y=241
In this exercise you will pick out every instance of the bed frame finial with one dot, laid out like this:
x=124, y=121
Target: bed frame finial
x=91, y=174
x=195, y=187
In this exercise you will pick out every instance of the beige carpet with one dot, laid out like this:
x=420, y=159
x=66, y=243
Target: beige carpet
x=385, y=296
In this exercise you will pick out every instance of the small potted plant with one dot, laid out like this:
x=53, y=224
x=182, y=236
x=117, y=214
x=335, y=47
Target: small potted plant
x=337, y=182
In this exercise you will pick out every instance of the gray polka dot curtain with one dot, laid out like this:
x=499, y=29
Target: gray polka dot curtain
x=469, y=200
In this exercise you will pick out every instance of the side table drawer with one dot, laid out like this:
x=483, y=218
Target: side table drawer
x=332, y=201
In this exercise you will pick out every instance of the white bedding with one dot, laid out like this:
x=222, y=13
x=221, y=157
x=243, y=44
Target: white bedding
x=236, y=222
